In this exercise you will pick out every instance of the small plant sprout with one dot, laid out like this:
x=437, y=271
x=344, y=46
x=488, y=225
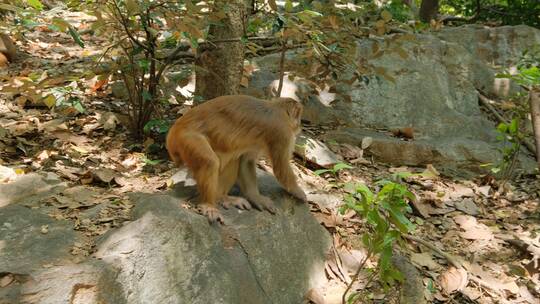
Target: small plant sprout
x=386, y=220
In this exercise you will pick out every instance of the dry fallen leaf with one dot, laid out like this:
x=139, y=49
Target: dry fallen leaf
x=501, y=282
x=452, y=280
x=472, y=229
x=424, y=259
x=460, y=191
x=67, y=136
x=484, y=190
x=105, y=175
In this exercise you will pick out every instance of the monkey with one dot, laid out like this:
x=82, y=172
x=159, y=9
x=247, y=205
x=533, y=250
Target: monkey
x=221, y=140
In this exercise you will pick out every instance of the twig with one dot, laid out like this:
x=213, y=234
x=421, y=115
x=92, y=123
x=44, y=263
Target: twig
x=354, y=278
x=450, y=258
x=487, y=103
x=128, y=32
x=282, y=67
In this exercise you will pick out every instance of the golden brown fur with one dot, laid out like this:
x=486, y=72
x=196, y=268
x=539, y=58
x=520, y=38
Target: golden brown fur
x=221, y=140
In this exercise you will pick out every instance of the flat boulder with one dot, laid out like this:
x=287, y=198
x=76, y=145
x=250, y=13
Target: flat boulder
x=170, y=254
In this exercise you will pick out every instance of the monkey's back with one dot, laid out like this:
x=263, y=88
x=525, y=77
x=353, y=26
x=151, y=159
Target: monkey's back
x=234, y=122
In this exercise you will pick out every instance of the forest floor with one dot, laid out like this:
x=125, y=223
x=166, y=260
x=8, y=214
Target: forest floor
x=489, y=227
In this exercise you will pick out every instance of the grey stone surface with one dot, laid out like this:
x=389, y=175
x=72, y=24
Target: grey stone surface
x=172, y=255
x=167, y=254
x=434, y=92
x=86, y=283
x=23, y=246
x=30, y=187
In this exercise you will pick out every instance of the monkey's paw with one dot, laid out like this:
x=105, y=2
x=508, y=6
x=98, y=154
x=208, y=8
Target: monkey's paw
x=211, y=213
x=235, y=201
x=264, y=203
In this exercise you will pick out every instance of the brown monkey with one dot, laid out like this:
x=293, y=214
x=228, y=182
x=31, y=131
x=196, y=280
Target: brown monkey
x=221, y=140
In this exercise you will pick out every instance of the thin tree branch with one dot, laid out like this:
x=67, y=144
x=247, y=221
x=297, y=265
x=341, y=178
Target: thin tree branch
x=282, y=67
x=354, y=278
x=487, y=103
x=123, y=21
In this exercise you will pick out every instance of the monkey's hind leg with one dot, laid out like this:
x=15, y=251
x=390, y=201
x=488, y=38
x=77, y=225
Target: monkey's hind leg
x=203, y=162
x=247, y=180
x=227, y=178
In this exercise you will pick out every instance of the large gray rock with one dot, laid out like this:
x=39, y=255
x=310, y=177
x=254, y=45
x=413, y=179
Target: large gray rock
x=24, y=247
x=85, y=283
x=434, y=93
x=30, y=188
x=169, y=254
x=36, y=265
x=493, y=48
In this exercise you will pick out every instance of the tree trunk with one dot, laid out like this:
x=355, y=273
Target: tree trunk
x=219, y=68
x=534, y=101
x=429, y=9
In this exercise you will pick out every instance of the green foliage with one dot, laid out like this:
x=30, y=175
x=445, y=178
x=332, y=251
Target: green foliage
x=507, y=12
x=511, y=138
x=399, y=10
x=26, y=15
x=509, y=134
x=146, y=36
x=335, y=169
x=64, y=98
x=526, y=76
x=159, y=126
x=385, y=215
x=528, y=69
x=150, y=162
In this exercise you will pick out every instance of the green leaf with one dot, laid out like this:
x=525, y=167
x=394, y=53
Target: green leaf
x=35, y=4
x=77, y=105
x=502, y=127
x=160, y=125
x=513, y=126
x=150, y=161
x=144, y=64
x=400, y=220
x=75, y=35
x=365, y=192
x=321, y=171
x=495, y=170
x=288, y=6
x=49, y=101
x=341, y=166
x=146, y=95
x=385, y=258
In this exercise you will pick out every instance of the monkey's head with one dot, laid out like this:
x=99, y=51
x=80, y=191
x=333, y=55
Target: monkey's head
x=294, y=111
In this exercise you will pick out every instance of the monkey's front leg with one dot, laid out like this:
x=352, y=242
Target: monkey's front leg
x=207, y=182
x=247, y=180
x=211, y=212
